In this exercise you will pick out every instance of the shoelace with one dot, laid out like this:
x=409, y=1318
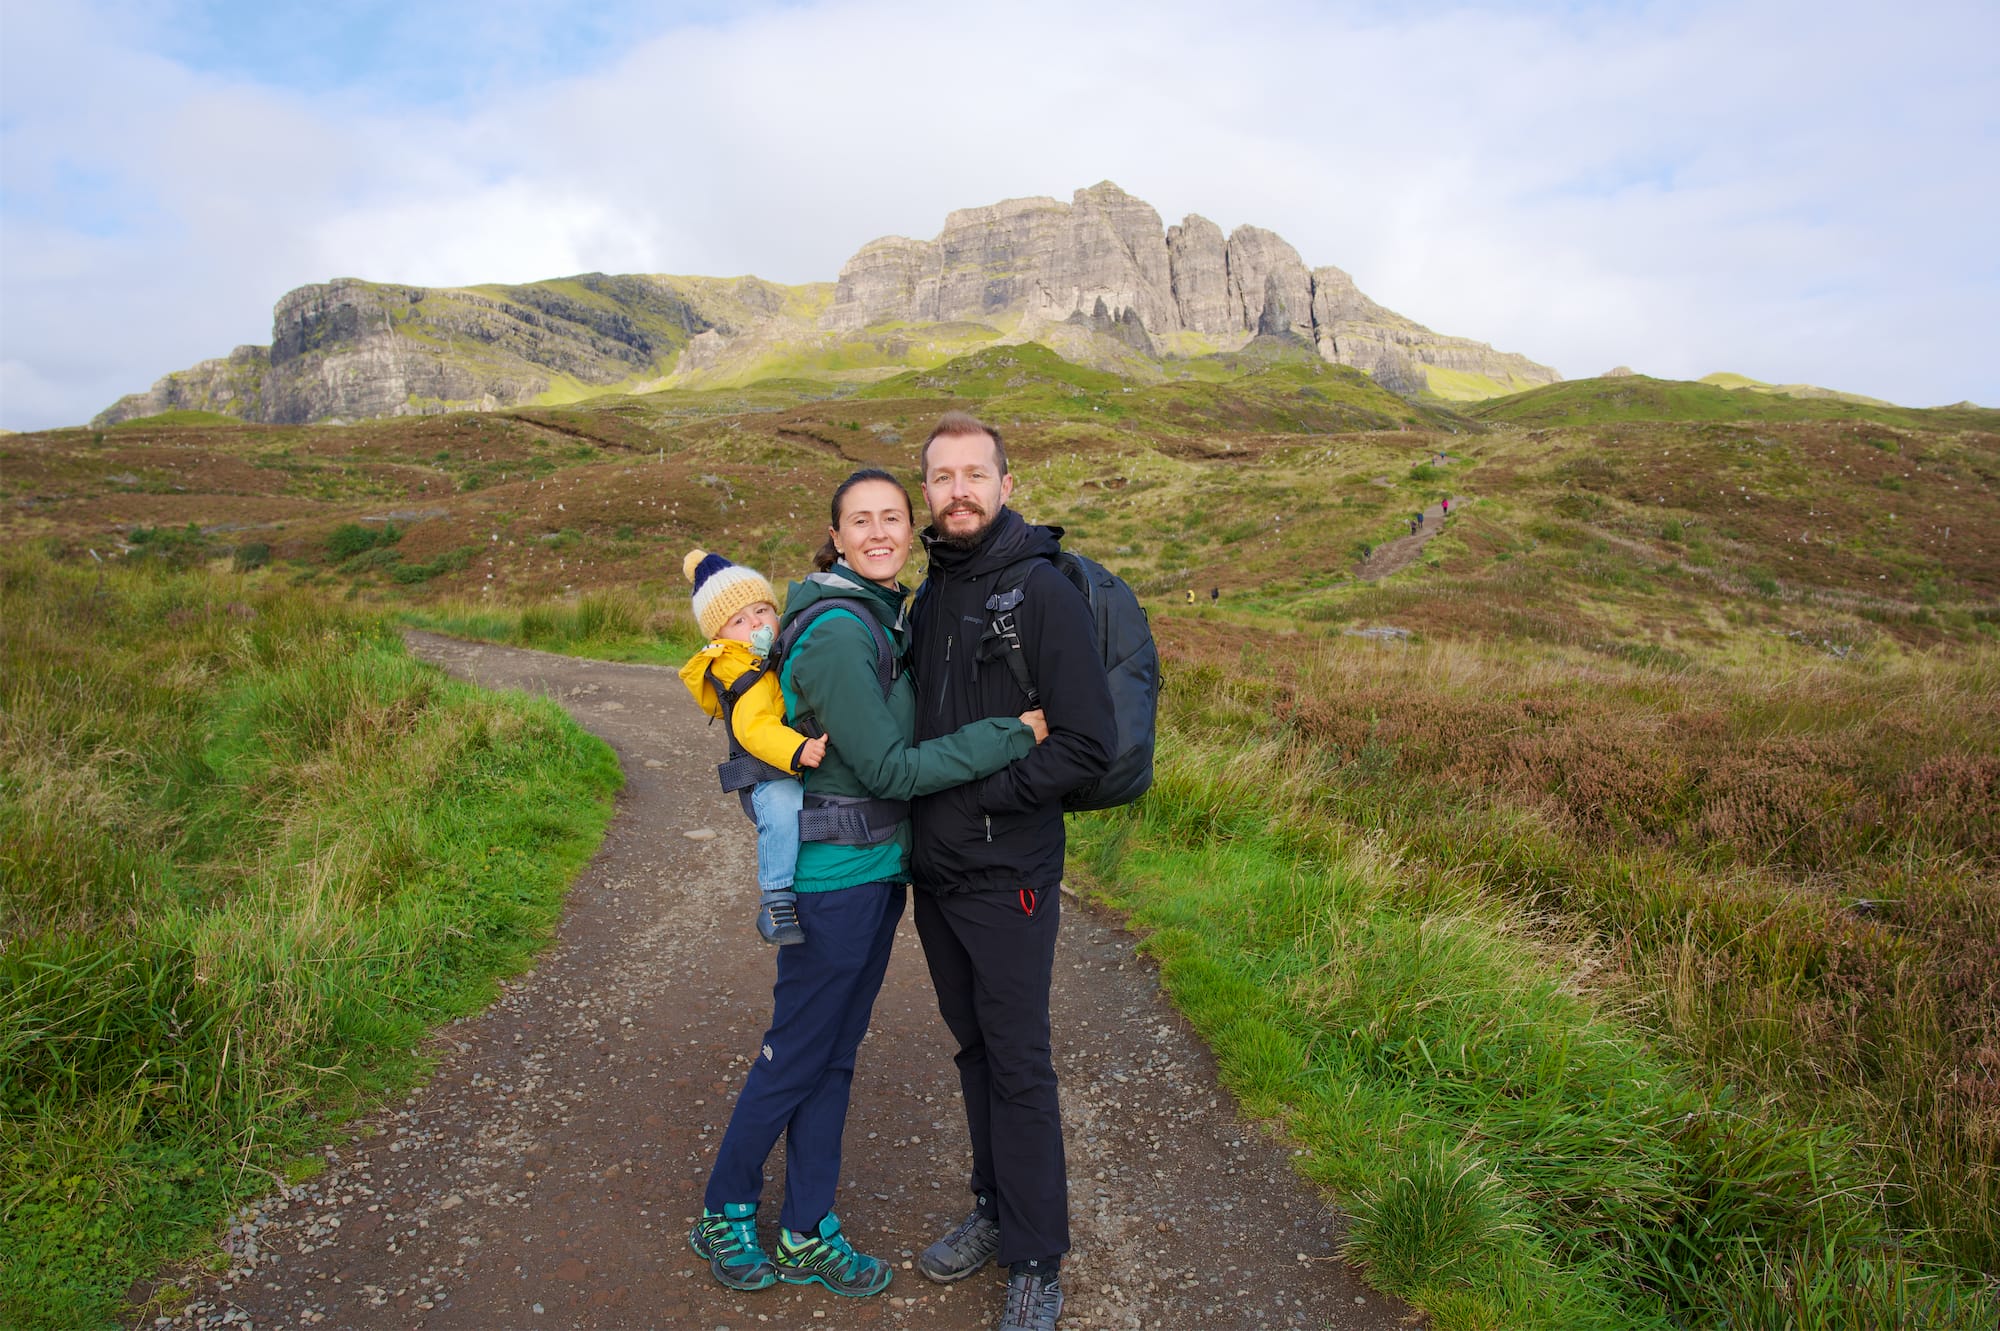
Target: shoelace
x=783, y=914
x=1028, y=1297
x=965, y=1229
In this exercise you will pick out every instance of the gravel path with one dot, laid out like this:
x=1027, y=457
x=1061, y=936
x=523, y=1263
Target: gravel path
x=546, y=1176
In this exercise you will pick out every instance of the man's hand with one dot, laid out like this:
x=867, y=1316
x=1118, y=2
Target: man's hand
x=1036, y=722
x=812, y=751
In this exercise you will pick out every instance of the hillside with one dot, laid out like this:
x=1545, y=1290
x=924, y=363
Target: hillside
x=1745, y=383
x=1628, y=851
x=1631, y=515
x=1638, y=397
x=1098, y=280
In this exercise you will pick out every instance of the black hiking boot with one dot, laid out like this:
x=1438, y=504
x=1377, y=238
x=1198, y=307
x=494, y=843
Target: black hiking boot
x=1034, y=1297
x=969, y=1246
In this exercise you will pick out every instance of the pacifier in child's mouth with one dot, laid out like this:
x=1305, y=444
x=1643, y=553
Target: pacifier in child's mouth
x=761, y=639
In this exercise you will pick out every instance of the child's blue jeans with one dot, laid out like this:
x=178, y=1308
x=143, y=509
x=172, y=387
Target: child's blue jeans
x=777, y=805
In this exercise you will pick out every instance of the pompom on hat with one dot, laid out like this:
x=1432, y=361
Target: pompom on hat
x=721, y=589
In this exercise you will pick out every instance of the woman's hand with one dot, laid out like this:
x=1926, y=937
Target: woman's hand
x=1036, y=722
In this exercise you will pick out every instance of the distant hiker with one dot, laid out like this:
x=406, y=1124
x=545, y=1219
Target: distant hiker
x=988, y=859
x=1444, y=504
x=736, y=608
x=854, y=834
x=1214, y=595
x=1420, y=518
x=1190, y=596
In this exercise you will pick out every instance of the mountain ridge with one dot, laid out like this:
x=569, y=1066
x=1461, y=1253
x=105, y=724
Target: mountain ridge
x=1099, y=280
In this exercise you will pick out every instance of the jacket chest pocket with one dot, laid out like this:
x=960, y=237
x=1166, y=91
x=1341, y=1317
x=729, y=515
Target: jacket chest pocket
x=961, y=663
x=976, y=645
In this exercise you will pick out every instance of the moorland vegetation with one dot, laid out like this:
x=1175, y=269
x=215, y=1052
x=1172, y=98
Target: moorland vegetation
x=1604, y=903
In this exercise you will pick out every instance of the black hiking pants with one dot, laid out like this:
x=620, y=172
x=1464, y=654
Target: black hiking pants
x=991, y=955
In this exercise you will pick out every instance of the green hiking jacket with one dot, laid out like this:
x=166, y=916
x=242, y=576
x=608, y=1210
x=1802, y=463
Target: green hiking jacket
x=830, y=674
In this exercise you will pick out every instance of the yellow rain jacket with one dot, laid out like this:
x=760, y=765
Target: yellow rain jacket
x=759, y=720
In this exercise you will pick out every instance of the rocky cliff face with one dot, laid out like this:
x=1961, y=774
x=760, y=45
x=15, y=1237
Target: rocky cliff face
x=233, y=386
x=1027, y=263
x=350, y=350
x=1097, y=277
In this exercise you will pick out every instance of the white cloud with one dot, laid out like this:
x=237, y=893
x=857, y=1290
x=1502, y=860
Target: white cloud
x=1796, y=192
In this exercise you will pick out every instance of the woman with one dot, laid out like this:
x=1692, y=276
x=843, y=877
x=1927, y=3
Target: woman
x=850, y=896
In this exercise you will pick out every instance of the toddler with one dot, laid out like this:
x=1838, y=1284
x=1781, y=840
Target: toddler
x=736, y=608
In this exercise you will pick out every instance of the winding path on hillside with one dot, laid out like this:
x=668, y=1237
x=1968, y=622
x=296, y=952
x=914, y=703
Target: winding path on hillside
x=547, y=1174
x=1397, y=555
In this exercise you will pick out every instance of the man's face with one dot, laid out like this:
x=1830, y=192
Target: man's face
x=963, y=485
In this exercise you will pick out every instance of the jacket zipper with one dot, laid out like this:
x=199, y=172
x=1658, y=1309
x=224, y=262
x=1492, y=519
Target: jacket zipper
x=949, y=638
x=989, y=826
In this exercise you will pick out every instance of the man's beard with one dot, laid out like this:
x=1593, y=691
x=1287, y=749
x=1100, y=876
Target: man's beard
x=966, y=540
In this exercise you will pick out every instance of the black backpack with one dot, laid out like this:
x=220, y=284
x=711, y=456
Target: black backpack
x=1131, y=664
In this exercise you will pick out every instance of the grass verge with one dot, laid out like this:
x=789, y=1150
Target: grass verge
x=1564, y=1075
x=608, y=626
x=249, y=853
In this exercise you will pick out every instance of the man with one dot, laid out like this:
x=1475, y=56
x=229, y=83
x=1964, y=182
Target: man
x=987, y=858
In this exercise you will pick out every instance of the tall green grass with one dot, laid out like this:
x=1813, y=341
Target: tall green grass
x=612, y=625
x=1563, y=1073
x=249, y=852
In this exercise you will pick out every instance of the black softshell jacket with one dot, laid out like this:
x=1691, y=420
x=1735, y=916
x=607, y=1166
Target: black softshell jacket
x=1005, y=832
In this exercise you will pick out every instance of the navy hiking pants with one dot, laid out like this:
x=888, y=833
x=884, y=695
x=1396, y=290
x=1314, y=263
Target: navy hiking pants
x=799, y=1083
x=991, y=955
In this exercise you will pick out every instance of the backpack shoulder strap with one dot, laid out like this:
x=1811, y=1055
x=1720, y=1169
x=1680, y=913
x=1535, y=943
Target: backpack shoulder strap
x=1004, y=628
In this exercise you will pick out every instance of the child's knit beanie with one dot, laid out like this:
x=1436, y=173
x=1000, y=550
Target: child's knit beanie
x=722, y=588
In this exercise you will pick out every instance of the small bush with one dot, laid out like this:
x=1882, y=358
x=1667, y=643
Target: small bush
x=351, y=538
x=449, y=562
x=176, y=547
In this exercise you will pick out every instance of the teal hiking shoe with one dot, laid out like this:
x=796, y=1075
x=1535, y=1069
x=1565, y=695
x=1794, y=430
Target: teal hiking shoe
x=729, y=1242
x=826, y=1257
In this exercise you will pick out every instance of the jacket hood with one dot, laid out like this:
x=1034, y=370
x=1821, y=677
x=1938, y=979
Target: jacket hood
x=1009, y=540
x=842, y=581
x=694, y=674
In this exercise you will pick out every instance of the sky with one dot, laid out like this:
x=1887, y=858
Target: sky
x=1798, y=192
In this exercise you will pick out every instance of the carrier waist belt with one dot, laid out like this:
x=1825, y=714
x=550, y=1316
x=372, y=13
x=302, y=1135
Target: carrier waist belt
x=746, y=770
x=851, y=820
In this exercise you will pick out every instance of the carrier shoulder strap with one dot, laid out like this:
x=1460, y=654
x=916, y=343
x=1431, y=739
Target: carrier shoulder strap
x=743, y=769
x=887, y=667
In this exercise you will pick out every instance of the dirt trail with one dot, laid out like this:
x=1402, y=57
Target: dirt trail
x=1397, y=555
x=547, y=1174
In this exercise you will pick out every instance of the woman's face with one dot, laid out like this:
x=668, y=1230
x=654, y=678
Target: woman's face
x=875, y=534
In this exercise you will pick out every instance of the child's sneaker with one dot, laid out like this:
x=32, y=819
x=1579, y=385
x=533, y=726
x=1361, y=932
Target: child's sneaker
x=729, y=1242
x=778, y=918
x=826, y=1257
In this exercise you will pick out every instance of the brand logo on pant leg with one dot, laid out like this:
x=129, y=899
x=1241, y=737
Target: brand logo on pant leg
x=769, y=1057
